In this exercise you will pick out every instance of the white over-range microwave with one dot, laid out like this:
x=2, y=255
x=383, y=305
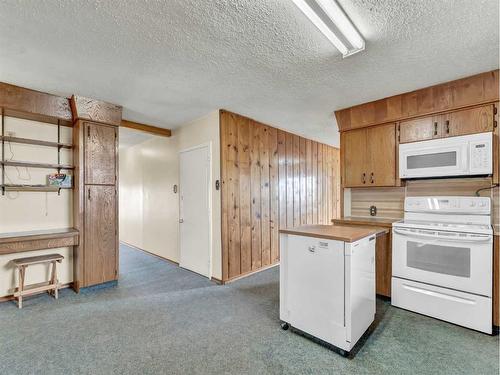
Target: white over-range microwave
x=467, y=155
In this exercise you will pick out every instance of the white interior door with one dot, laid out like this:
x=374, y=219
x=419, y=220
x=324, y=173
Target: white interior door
x=194, y=205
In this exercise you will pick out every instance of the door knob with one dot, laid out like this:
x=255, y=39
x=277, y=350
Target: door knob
x=181, y=221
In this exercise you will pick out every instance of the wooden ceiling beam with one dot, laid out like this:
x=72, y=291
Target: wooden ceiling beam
x=146, y=128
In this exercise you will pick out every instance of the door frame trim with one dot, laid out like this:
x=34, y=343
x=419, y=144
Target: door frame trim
x=207, y=145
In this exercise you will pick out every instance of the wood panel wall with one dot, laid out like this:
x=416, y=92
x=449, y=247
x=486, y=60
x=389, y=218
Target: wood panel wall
x=271, y=179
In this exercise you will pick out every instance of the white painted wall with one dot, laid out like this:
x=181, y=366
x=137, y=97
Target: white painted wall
x=149, y=209
x=27, y=211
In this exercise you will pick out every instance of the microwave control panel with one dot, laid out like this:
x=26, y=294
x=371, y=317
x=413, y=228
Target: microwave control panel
x=480, y=157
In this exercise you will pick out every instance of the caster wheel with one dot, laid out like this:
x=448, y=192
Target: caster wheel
x=284, y=326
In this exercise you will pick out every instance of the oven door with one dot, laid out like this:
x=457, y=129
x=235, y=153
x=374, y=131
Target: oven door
x=460, y=261
x=433, y=158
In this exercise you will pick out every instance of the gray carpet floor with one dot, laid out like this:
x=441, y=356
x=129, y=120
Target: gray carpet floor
x=161, y=319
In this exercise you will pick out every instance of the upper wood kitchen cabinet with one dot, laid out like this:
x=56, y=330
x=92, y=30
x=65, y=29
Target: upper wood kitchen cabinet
x=467, y=121
x=355, y=158
x=370, y=156
x=420, y=129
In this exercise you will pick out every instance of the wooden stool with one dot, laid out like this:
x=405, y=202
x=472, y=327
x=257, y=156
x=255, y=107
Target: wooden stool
x=49, y=286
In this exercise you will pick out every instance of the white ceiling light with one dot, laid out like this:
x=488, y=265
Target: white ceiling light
x=332, y=9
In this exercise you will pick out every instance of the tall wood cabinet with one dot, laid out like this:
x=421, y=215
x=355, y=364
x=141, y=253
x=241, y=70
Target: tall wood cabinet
x=96, y=191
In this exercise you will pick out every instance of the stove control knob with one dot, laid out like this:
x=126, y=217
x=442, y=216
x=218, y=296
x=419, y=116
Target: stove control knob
x=483, y=204
x=473, y=204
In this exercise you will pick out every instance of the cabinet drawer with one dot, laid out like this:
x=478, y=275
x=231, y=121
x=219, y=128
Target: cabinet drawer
x=468, y=310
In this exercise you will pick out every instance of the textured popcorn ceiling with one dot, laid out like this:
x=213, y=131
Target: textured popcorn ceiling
x=169, y=62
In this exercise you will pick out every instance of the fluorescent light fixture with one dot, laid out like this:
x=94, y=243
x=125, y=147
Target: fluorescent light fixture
x=332, y=9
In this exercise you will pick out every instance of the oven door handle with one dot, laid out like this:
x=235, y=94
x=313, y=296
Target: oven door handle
x=477, y=238
x=438, y=294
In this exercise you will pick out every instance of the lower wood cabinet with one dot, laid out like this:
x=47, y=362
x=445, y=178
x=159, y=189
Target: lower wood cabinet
x=100, y=238
x=383, y=264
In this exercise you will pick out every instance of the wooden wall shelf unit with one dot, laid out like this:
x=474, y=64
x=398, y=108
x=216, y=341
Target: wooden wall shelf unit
x=16, y=242
x=34, y=105
x=35, y=142
x=28, y=164
x=42, y=188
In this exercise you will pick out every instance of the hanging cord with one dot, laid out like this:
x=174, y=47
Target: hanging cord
x=11, y=195
x=486, y=188
x=17, y=168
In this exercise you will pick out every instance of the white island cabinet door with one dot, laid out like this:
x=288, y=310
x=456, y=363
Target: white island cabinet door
x=360, y=287
x=312, y=286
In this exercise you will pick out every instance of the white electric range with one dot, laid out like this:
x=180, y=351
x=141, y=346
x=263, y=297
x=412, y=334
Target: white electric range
x=442, y=259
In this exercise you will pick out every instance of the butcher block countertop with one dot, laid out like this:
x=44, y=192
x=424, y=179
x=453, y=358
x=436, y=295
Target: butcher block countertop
x=332, y=232
x=375, y=221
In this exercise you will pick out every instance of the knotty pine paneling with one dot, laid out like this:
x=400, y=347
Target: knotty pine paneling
x=271, y=179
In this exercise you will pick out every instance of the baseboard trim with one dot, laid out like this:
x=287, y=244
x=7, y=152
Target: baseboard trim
x=218, y=281
x=239, y=277
x=11, y=297
x=150, y=253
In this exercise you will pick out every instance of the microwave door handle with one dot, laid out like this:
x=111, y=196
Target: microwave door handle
x=438, y=238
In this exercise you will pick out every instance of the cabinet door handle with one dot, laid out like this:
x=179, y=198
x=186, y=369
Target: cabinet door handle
x=435, y=128
x=372, y=179
x=364, y=178
x=88, y=132
x=89, y=194
x=447, y=126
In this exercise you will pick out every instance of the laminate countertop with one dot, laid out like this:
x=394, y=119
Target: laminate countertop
x=372, y=221
x=344, y=233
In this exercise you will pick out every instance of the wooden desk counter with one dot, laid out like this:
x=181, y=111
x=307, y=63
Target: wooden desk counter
x=17, y=242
